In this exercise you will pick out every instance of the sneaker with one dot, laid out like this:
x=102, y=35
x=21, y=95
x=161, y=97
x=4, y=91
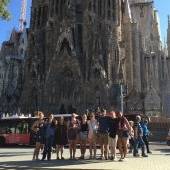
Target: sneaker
x=102, y=158
x=94, y=157
x=74, y=158
x=81, y=157
x=136, y=155
x=125, y=159
x=115, y=158
x=120, y=160
x=149, y=152
x=144, y=155
x=111, y=158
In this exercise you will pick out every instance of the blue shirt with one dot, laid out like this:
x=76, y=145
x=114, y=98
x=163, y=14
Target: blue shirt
x=145, y=129
x=49, y=130
x=103, y=124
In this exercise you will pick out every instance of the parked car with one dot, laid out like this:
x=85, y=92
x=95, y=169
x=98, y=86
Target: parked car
x=168, y=138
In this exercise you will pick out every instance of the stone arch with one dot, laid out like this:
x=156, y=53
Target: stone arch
x=66, y=35
x=64, y=73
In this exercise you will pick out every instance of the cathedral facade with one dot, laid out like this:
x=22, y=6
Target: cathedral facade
x=74, y=54
x=79, y=50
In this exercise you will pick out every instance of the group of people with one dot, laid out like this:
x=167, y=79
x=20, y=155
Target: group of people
x=109, y=131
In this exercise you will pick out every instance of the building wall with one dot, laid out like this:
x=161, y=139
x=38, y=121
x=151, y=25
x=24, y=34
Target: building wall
x=74, y=54
x=12, y=63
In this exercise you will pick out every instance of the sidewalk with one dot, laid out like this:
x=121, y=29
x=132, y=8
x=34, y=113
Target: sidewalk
x=21, y=159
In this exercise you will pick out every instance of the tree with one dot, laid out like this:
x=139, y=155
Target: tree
x=4, y=13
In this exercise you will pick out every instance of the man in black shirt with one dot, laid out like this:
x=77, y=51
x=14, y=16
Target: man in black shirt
x=113, y=137
x=103, y=134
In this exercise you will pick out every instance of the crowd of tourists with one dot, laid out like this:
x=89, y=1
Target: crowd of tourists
x=107, y=131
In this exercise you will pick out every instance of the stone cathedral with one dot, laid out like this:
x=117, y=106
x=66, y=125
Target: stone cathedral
x=79, y=50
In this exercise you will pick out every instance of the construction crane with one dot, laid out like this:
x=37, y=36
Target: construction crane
x=22, y=19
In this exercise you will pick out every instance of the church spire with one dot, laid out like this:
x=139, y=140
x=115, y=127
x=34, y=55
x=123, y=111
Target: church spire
x=168, y=36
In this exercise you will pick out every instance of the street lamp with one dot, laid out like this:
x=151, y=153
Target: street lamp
x=121, y=97
x=121, y=85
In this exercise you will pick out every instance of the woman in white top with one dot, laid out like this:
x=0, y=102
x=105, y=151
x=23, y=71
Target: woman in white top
x=93, y=126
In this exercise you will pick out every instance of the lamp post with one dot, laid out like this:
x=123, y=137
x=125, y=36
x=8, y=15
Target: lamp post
x=121, y=97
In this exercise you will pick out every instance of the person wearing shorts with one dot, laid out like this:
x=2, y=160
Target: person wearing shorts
x=83, y=135
x=123, y=135
x=37, y=128
x=113, y=134
x=73, y=128
x=103, y=122
x=92, y=135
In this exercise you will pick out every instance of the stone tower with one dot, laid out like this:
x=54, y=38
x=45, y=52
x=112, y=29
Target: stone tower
x=73, y=54
x=168, y=36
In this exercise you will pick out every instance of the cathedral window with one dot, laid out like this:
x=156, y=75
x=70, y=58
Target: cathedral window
x=52, y=8
x=80, y=36
x=114, y=10
x=99, y=7
x=56, y=6
x=45, y=15
x=61, y=7
x=90, y=6
x=108, y=14
x=94, y=5
x=108, y=4
x=50, y=100
x=39, y=17
x=54, y=100
x=104, y=8
x=34, y=18
x=141, y=11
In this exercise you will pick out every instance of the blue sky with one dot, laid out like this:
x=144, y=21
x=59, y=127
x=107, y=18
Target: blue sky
x=6, y=26
x=163, y=7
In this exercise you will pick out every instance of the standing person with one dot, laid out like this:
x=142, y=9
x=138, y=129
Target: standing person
x=113, y=134
x=49, y=133
x=92, y=136
x=37, y=128
x=146, y=132
x=83, y=135
x=61, y=137
x=138, y=138
x=73, y=128
x=123, y=135
x=103, y=134
x=131, y=137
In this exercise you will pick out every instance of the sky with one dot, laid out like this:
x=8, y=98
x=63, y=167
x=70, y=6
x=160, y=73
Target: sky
x=163, y=7
x=6, y=26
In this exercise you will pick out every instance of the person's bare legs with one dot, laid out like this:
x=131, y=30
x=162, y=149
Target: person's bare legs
x=71, y=149
x=106, y=151
x=114, y=146
x=74, y=148
x=91, y=148
x=120, y=146
x=36, y=150
x=57, y=151
x=125, y=147
x=62, y=149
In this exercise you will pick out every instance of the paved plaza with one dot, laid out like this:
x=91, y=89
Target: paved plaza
x=20, y=158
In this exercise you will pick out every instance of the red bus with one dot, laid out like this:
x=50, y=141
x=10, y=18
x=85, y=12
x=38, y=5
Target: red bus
x=17, y=130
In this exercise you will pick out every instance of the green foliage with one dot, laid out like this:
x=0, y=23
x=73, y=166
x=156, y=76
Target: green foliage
x=4, y=13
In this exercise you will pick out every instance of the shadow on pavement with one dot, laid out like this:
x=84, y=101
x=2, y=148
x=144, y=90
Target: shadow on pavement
x=10, y=154
x=45, y=164
x=166, y=150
